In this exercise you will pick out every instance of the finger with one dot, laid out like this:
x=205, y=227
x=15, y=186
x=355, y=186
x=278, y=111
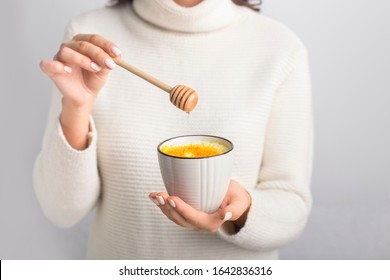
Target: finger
x=106, y=45
x=153, y=198
x=199, y=219
x=161, y=197
x=72, y=57
x=176, y=217
x=169, y=210
x=92, y=51
x=52, y=67
x=224, y=203
x=155, y=201
x=234, y=208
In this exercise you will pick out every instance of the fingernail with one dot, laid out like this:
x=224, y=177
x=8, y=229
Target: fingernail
x=67, y=69
x=155, y=201
x=172, y=203
x=95, y=67
x=116, y=51
x=228, y=216
x=110, y=63
x=160, y=199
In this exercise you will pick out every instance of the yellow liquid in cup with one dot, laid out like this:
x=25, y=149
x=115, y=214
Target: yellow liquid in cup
x=194, y=150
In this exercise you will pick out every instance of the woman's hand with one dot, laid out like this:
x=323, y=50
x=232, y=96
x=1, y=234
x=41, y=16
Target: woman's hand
x=79, y=69
x=234, y=207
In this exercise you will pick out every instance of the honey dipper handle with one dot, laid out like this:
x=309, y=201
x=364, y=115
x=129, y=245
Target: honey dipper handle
x=143, y=75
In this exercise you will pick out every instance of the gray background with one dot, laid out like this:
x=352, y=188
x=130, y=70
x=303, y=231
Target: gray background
x=349, y=44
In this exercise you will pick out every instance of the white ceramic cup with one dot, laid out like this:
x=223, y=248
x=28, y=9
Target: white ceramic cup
x=201, y=182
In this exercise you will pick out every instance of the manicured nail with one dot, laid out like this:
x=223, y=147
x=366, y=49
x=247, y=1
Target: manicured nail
x=67, y=69
x=95, y=67
x=116, y=51
x=155, y=201
x=228, y=216
x=172, y=203
x=160, y=199
x=110, y=63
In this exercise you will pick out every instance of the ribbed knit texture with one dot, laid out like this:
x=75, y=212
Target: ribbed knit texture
x=252, y=77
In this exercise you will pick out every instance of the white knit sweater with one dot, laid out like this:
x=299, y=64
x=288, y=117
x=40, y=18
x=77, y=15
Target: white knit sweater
x=252, y=77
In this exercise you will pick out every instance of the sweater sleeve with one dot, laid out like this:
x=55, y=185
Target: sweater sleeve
x=281, y=200
x=66, y=181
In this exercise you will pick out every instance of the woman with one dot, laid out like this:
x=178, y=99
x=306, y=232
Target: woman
x=99, y=149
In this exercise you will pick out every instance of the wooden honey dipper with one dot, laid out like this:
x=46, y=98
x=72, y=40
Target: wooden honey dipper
x=183, y=97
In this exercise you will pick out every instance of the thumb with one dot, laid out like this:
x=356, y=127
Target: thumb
x=53, y=67
x=232, y=211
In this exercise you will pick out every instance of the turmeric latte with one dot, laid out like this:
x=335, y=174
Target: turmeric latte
x=194, y=150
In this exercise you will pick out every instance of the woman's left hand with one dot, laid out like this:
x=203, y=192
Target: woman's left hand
x=234, y=207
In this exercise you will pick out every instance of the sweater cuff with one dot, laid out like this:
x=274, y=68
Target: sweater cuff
x=266, y=228
x=91, y=138
x=66, y=180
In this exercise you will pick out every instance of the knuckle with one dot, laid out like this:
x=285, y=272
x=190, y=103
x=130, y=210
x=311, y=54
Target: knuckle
x=108, y=44
x=100, y=41
x=161, y=194
x=63, y=45
x=83, y=45
x=95, y=38
x=61, y=52
x=84, y=61
x=101, y=56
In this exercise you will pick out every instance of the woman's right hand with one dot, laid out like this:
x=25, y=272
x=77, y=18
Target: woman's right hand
x=80, y=69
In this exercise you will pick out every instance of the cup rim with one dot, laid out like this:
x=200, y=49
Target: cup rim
x=207, y=135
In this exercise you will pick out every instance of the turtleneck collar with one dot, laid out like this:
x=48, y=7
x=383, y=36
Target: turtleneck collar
x=208, y=15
